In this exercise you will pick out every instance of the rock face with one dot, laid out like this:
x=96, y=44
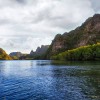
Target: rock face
x=32, y=52
x=87, y=33
x=17, y=54
x=4, y=55
x=40, y=50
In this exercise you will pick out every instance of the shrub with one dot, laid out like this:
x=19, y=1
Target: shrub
x=90, y=52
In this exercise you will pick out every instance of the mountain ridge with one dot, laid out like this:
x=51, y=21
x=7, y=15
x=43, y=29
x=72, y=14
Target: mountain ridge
x=87, y=33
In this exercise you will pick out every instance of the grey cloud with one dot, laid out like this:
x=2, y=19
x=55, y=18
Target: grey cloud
x=21, y=1
x=96, y=5
x=36, y=22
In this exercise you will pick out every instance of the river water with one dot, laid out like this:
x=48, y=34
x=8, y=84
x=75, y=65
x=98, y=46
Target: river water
x=49, y=80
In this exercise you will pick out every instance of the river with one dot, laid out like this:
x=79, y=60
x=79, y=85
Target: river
x=49, y=80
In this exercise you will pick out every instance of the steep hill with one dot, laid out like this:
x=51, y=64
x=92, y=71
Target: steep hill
x=87, y=33
x=4, y=55
x=40, y=50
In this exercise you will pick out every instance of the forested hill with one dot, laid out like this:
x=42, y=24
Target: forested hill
x=4, y=55
x=87, y=33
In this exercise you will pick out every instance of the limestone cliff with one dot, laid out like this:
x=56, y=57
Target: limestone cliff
x=87, y=33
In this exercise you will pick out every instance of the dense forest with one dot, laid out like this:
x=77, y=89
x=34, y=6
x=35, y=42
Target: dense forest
x=90, y=52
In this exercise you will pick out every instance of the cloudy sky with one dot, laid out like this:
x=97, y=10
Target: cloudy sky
x=26, y=24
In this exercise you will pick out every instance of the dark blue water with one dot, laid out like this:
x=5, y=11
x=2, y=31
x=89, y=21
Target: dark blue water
x=49, y=80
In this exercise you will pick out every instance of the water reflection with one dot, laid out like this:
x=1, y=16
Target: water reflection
x=50, y=80
x=91, y=87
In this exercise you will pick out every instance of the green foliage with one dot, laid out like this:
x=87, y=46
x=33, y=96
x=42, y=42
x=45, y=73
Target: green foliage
x=15, y=58
x=87, y=34
x=4, y=55
x=90, y=52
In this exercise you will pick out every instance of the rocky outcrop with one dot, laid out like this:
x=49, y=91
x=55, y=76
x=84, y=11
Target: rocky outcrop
x=40, y=50
x=87, y=33
x=32, y=52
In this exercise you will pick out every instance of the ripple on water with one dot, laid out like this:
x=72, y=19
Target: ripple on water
x=34, y=80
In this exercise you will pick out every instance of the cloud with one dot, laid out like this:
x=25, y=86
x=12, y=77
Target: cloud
x=96, y=5
x=26, y=24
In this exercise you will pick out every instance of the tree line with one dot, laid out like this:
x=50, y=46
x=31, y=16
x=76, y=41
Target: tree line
x=89, y=52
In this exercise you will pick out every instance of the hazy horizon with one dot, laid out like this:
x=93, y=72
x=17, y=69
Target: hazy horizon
x=27, y=24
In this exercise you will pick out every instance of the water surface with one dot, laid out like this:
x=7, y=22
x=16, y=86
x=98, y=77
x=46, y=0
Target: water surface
x=49, y=80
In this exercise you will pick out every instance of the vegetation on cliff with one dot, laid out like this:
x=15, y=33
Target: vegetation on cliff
x=4, y=55
x=90, y=52
x=88, y=33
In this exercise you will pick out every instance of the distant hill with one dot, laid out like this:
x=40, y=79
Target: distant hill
x=87, y=33
x=38, y=54
x=17, y=54
x=40, y=50
x=4, y=55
